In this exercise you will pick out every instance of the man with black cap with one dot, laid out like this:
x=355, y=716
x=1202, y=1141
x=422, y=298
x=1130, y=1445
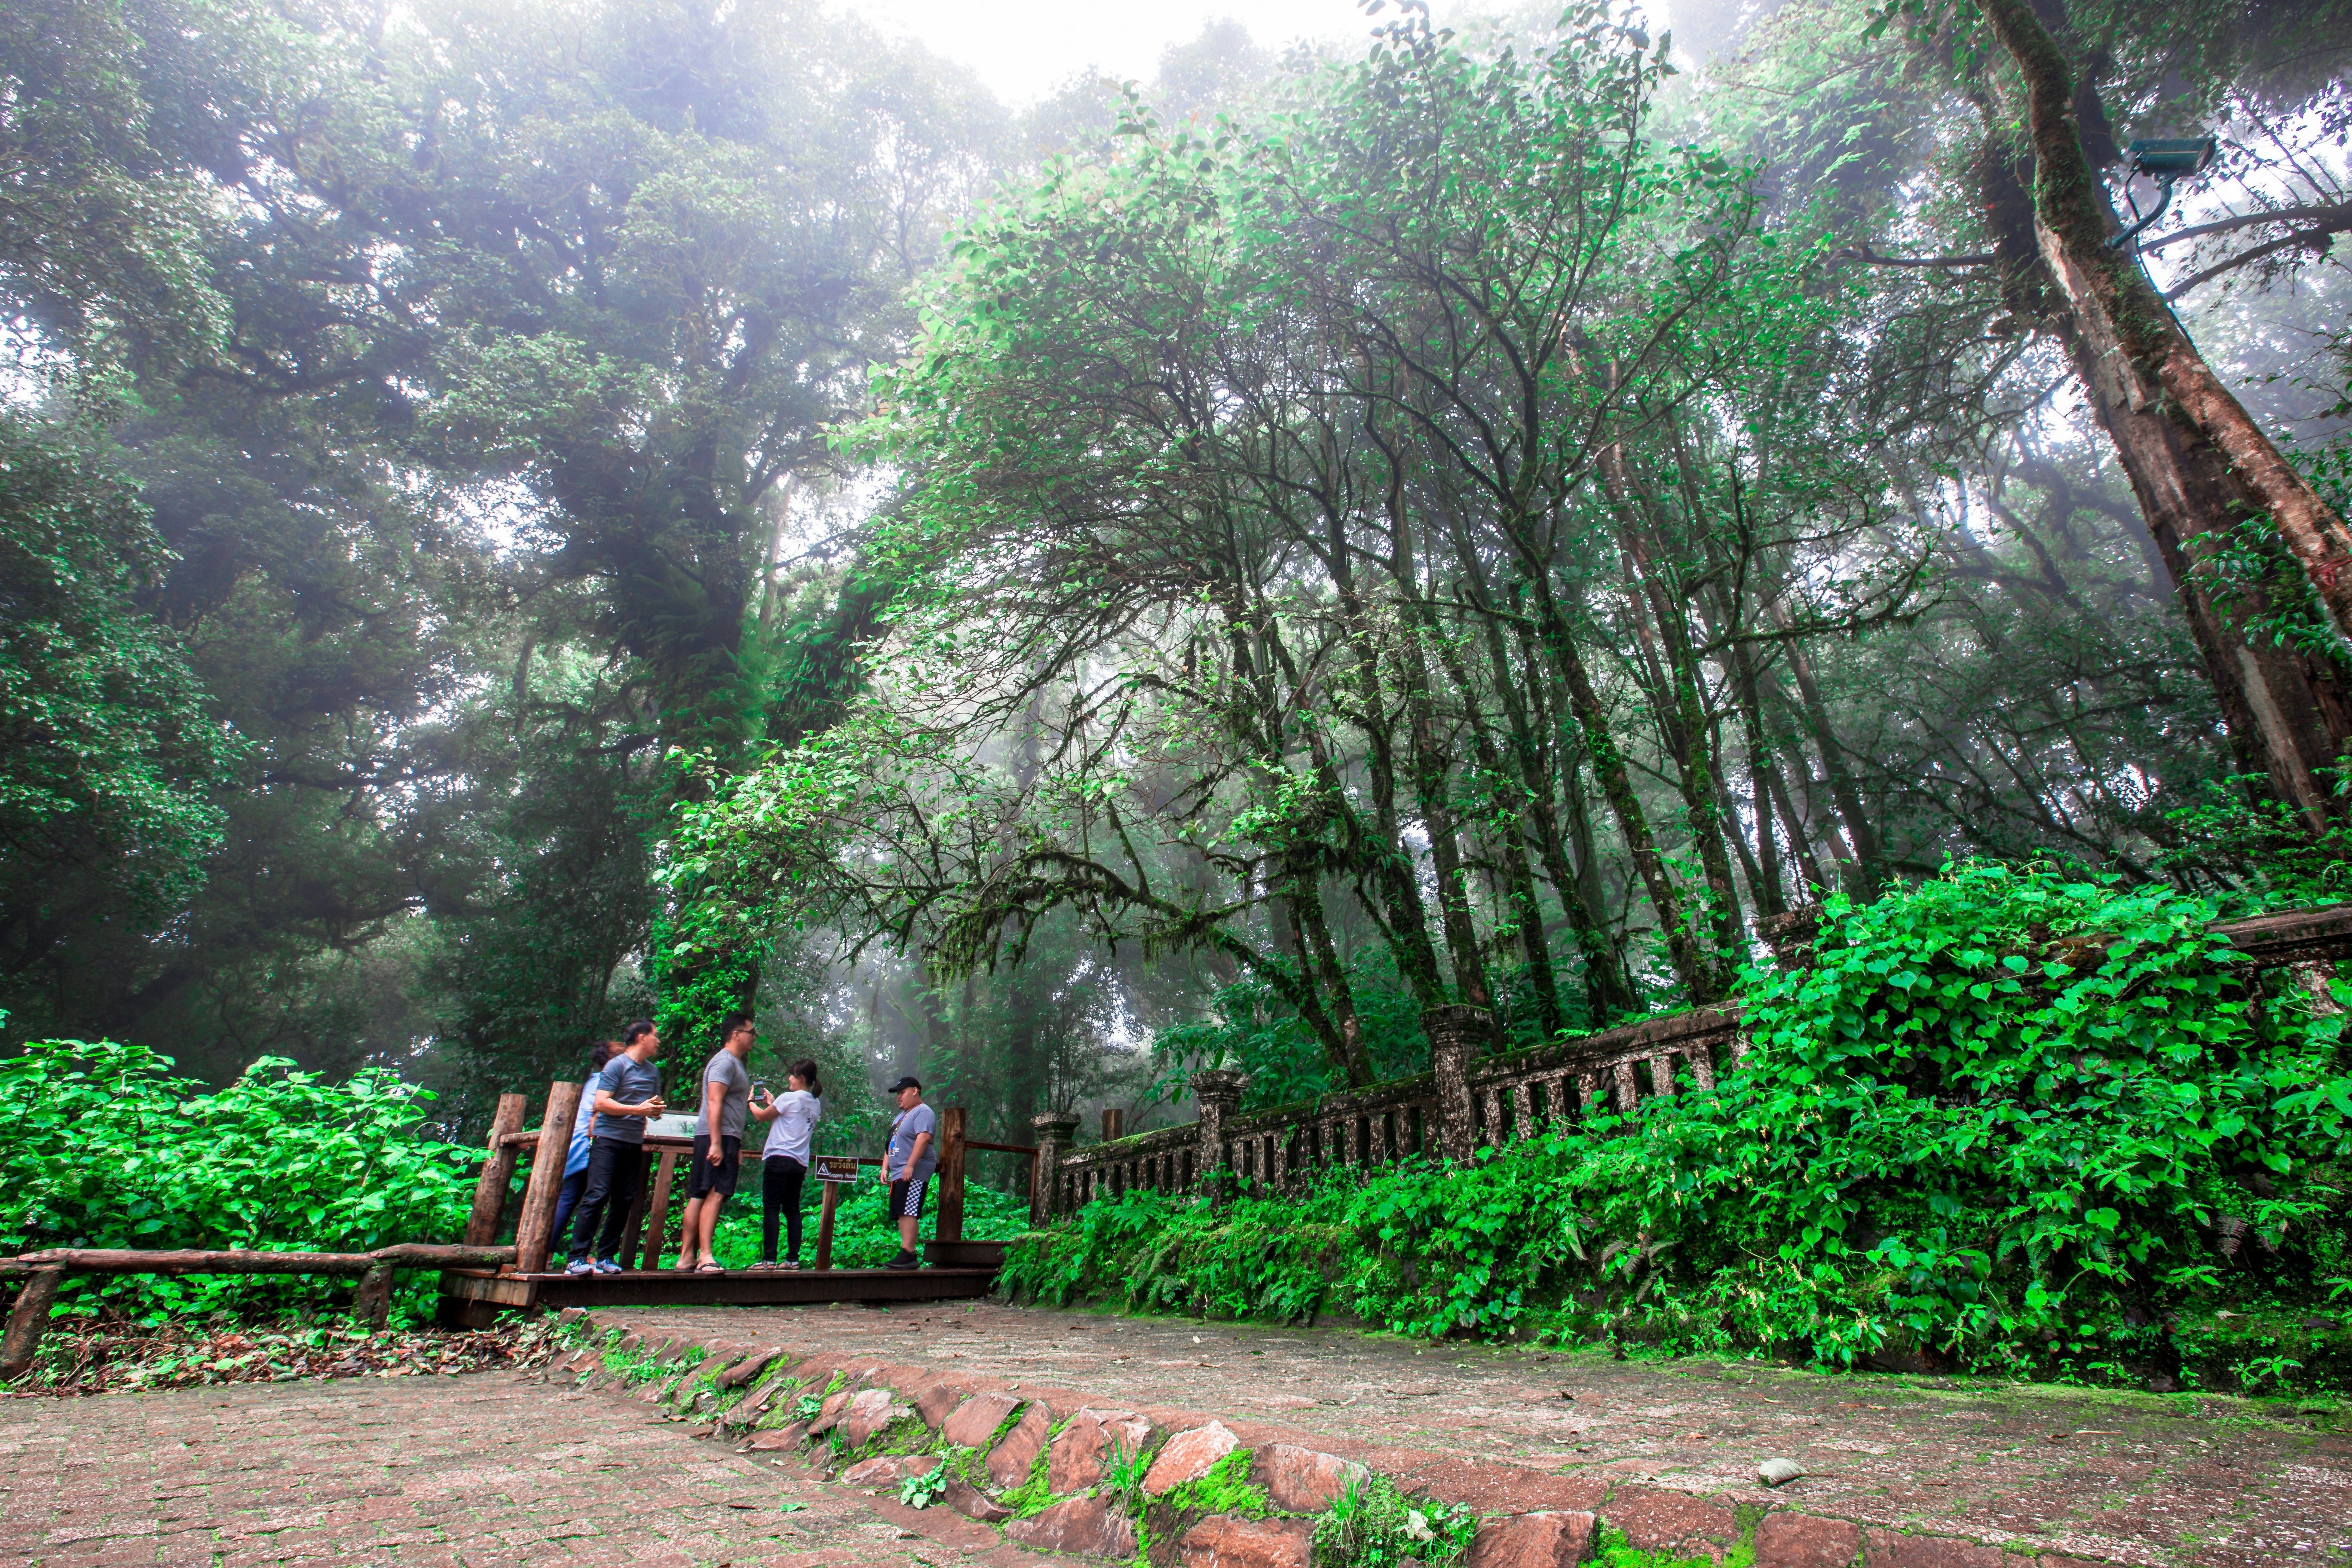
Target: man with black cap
x=908, y=1164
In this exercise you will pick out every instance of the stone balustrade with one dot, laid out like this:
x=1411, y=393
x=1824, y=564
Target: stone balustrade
x=1463, y=1103
x=1468, y=1101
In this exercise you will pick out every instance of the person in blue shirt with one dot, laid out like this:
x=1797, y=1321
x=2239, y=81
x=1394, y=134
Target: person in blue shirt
x=575, y=1161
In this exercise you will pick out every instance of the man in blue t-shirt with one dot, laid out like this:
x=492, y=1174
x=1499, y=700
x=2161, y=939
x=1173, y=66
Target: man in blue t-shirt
x=908, y=1164
x=625, y=1092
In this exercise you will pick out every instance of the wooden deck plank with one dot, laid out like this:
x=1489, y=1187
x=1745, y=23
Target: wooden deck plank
x=746, y=1288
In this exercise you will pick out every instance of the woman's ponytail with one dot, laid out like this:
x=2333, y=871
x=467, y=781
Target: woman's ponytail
x=806, y=1070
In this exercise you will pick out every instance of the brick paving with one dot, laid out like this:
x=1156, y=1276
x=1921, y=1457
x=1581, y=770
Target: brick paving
x=482, y=1470
x=501, y=1469
x=2049, y=1472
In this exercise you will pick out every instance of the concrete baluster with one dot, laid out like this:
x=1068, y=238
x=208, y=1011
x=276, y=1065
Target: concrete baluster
x=1219, y=1091
x=1056, y=1131
x=1456, y=1035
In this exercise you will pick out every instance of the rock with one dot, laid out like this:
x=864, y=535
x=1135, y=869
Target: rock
x=975, y=1421
x=1657, y=1519
x=782, y=1437
x=938, y=1400
x=888, y=1470
x=1084, y=1525
x=749, y=1367
x=569, y=1315
x=1079, y=1452
x=1010, y=1461
x=1805, y=1541
x=1891, y=1549
x=972, y=1503
x=1535, y=1541
x=868, y=1413
x=1301, y=1480
x=1187, y=1458
x=1229, y=1540
x=1778, y=1472
x=828, y=1414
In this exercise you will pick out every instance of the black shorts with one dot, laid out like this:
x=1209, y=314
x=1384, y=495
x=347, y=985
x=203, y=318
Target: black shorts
x=907, y=1199
x=719, y=1178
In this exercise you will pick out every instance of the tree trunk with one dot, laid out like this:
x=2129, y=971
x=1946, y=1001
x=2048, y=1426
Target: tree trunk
x=2201, y=468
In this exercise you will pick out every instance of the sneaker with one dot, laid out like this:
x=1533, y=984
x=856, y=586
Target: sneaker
x=606, y=1266
x=903, y=1260
x=580, y=1266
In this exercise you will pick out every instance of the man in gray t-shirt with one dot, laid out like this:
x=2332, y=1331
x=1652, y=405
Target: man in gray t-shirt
x=717, y=1142
x=625, y=1094
x=908, y=1164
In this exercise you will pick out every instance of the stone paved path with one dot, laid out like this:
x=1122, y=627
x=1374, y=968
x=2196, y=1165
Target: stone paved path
x=483, y=1471
x=2178, y=1480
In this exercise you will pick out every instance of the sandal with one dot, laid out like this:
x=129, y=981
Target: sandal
x=709, y=1269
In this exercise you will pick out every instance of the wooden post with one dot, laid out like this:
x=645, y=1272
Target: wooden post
x=498, y=1173
x=27, y=1322
x=657, y=1210
x=1113, y=1125
x=535, y=1230
x=825, y=1224
x=949, y=1225
x=371, y=1303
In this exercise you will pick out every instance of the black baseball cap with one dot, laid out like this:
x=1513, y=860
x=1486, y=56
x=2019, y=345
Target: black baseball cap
x=904, y=1083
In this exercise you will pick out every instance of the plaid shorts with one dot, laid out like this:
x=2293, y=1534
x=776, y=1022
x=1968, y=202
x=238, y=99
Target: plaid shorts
x=907, y=1199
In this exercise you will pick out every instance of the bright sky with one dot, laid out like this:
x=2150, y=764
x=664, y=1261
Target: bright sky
x=1024, y=51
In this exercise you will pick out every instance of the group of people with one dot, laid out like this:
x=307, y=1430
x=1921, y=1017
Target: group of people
x=605, y=1163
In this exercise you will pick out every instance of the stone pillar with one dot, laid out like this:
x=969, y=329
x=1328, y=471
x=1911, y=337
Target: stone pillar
x=1219, y=1091
x=1792, y=936
x=1456, y=1035
x=1056, y=1131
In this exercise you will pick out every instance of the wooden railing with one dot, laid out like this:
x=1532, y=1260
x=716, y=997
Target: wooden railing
x=1469, y=1100
x=647, y=1236
x=45, y=1272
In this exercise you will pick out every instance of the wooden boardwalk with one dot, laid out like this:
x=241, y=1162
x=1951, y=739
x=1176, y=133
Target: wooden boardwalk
x=957, y=1269
x=480, y=1293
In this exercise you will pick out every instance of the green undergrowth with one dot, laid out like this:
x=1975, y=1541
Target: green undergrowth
x=1374, y=1525
x=2011, y=1124
x=1613, y=1550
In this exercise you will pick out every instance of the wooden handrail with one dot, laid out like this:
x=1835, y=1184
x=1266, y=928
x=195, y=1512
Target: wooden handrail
x=43, y=1272
x=1029, y=1149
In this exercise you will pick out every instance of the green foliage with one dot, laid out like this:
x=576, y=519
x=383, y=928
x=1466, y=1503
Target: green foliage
x=111, y=1150
x=1123, y=1470
x=2008, y=1122
x=921, y=1491
x=1249, y=1026
x=2254, y=851
x=1371, y=1524
x=864, y=1233
x=107, y=757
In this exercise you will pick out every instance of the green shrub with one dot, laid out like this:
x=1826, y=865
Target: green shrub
x=109, y=1149
x=1973, y=1134
x=1373, y=1525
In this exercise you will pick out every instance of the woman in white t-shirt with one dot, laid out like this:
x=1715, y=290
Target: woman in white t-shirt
x=792, y=1117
